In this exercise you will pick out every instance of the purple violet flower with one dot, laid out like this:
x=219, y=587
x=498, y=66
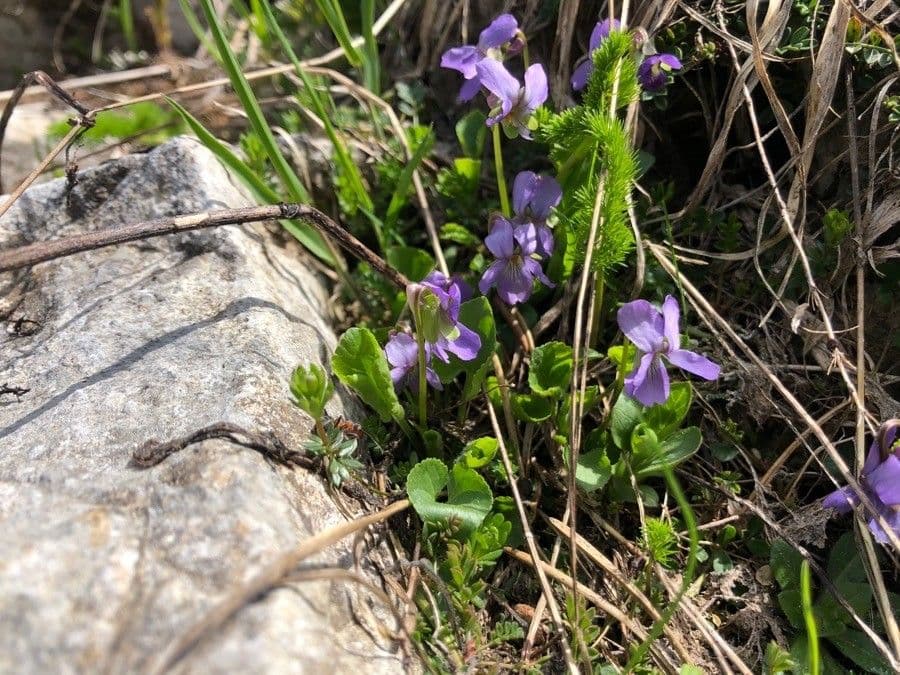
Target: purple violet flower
x=653, y=73
x=501, y=32
x=511, y=103
x=582, y=72
x=534, y=196
x=402, y=354
x=436, y=310
x=440, y=279
x=514, y=271
x=880, y=480
x=655, y=334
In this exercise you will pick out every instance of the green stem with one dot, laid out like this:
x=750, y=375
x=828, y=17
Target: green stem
x=423, y=382
x=501, y=179
x=688, y=578
x=525, y=59
x=671, y=242
x=320, y=431
x=812, y=631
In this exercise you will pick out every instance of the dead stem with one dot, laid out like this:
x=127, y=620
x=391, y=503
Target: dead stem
x=32, y=254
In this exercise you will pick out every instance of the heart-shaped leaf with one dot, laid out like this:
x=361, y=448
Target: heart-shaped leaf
x=480, y=452
x=551, y=369
x=469, y=498
x=665, y=418
x=671, y=452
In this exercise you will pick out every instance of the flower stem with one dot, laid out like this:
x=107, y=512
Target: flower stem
x=320, y=431
x=501, y=179
x=423, y=382
x=809, y=619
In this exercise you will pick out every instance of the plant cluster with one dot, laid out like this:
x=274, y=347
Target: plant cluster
x=485, y=421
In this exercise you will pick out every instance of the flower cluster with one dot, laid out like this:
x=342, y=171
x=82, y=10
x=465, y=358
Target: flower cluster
x=520, y=243
x=880, y=481
x=653, y=72
x=435, y=303
x=511, y=103
x=495, y=42
x=655, y=333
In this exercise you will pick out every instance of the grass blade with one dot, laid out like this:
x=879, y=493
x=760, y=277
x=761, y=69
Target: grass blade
x=302, y=232
x=371, y=63
x=126, y=21
x=334, y=15
x=342, y=154
x=289, y=180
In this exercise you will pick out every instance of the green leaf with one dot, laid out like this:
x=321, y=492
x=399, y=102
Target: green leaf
x=360, y=363
x=593, y=471
x=371, y=61
x=618, y=353
x=626, y=415
x=689, y=669
x=530, y=408
x=721, y=562
x=334, y=15
x=472, y=386
x=343, y=158
x=563, y=418
x=469, y=498
x=251, y=106
x=471, y=132
x=777, y=660
x=457, y=234
x=674, y=450
x=858, y=648
x=844, y=565
x=551, y=369
x=784, y=561
x=476, y=314
x=480, y=452
x=470, y=169
x=413, y=262
x=665, y=418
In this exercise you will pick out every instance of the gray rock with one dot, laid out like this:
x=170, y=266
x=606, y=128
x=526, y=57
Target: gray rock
x=103, y=565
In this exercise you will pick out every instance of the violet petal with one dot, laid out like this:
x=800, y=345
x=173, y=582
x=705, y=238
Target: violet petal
x=497, y=80
x=491, y=274
x=885, y=481
x=650, y=382
x=524, y=187
x=581, y=74
x=500, y=241
x=841, y=500
x=462, y=59
x=671, y=318
x=694, y=363
x=500, y=31
x=641, y=323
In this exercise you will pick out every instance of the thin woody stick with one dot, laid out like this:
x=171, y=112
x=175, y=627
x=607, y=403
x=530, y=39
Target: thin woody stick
x=32, y=254
x=44, y=80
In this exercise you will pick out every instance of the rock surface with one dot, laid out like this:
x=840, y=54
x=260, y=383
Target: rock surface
x=102, y=564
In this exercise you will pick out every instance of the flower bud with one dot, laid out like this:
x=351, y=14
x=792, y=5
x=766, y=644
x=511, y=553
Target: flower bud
x=312, y=389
